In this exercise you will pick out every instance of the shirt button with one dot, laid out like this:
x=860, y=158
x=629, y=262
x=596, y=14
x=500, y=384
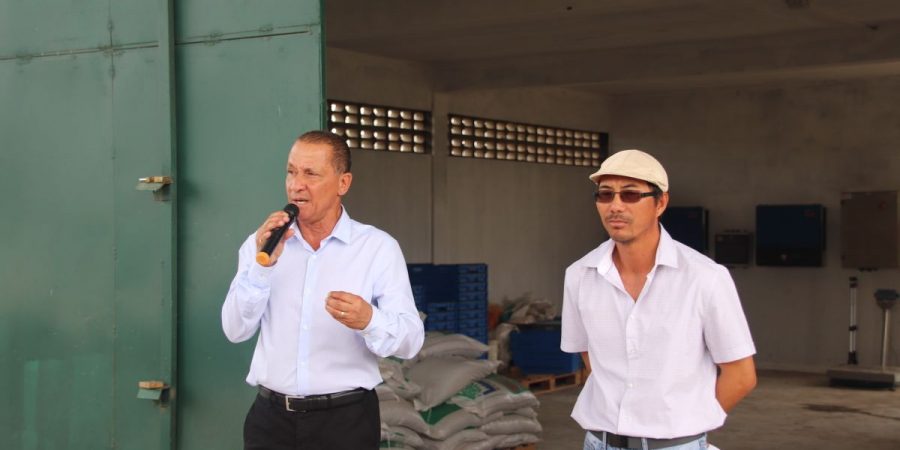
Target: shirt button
x=630, y=385
x=306, y=327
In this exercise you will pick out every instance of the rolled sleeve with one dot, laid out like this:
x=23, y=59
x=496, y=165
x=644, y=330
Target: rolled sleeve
x=573, y=337
x=725, y=327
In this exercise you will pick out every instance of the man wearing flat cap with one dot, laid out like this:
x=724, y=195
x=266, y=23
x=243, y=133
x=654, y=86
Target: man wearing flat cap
x=653, y=320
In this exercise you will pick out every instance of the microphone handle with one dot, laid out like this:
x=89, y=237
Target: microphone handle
x=265, y=255
x=274, y=239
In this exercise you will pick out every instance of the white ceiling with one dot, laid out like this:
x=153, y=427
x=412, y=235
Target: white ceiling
x=624, y=45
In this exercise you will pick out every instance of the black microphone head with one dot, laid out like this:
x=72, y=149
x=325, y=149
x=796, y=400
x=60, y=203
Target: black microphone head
x=292, y=210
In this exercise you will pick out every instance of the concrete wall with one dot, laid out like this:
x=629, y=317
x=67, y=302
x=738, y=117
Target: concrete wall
x=526, y=221
x=730, y=149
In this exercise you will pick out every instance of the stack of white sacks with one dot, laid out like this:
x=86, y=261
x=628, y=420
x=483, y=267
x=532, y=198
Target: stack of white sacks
x=448, y=399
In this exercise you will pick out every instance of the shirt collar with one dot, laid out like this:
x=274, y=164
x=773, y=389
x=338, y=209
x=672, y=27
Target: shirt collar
x=666, y=253
x=343, y=229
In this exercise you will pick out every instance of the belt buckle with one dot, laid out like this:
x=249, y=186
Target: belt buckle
x=287, y=402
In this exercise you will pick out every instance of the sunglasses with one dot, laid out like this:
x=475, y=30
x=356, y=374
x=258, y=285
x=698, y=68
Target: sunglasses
x=625, y=196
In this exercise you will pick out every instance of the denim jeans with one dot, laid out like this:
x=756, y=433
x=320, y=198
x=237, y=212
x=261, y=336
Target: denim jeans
x=592, y=442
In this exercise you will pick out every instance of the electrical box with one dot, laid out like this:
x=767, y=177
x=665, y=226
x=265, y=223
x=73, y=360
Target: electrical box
x=869, y=238
x=734, y=248
x=688, y=225
x=790, y=235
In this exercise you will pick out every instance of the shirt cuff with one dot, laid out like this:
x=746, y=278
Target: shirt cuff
x=735, y=353
x=375, y=323
x=259, y=275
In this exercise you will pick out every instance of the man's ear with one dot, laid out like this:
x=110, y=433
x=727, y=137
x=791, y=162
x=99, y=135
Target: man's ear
x=344, y=183
x=662, y=204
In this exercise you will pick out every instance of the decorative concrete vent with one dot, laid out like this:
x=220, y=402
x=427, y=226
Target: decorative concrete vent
x=377, y=127
x=472, y=137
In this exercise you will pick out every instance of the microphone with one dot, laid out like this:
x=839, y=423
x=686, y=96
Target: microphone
x=265, y=254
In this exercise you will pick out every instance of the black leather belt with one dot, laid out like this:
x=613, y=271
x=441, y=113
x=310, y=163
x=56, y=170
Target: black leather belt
x=301, y=403
x=630, y=442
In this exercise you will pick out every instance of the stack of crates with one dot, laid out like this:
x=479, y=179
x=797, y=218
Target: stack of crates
x=535, y=350
x=454, y=297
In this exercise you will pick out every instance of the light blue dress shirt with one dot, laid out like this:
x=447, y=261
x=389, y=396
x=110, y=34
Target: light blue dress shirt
x=301, y=349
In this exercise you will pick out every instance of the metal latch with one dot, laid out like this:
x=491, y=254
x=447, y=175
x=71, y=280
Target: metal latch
x=153, y=183
x=156, y=184
x=152, y=390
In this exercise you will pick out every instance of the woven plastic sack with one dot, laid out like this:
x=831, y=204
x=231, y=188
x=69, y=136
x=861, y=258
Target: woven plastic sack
x=515, y=440
x=393, y=374
x=440, y=378
x=385, y=393
x=398, y=435
x=445, y=420
x=512, y=424
x=527, y=412
x=401, y=413
x=456, y=441
x=440, y=344
x=493, y=394
x=490, y=443
x=389, y=446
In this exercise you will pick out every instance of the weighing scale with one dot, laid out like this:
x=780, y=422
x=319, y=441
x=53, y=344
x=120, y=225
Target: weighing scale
x=851, y=374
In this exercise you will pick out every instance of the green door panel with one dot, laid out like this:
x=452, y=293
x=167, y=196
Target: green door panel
x=144, y=253
x=89, y=265
x=86, y=267
x=29, y=27
x=134, y=22
x=213, y=19
x=56, y=305
x=241, y=104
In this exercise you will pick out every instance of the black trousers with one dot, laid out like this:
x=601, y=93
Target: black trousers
x=351, y=427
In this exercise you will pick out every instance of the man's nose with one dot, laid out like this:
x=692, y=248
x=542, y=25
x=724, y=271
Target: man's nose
x=617, y=204
x=296, y=185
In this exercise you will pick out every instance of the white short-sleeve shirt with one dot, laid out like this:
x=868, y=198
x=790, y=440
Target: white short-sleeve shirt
x=653, y=360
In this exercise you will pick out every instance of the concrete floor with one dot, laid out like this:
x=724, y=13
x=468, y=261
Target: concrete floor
x=786, y=411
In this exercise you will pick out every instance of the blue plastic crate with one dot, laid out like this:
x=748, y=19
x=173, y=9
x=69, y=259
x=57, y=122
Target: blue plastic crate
x=539, y=363
x=472, y=305
x=479, y=335
x=536, y=350
x=442, y=316
x=477, y=314
x=473, y=278
x=472, y=296
x=472, y=268
x=450, y=325
x=448, y=282
x=473, y=323
x=472, y=287
x=437, y=307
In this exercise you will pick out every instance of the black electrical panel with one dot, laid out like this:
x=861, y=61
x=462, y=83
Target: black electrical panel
x=790, y=235
x=734, y=248
x=688, y=225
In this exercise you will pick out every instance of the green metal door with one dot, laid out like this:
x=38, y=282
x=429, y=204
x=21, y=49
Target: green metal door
x=249, y=82
x=90, y=266
x=87, y=263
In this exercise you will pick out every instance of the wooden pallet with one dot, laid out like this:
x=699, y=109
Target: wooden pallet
x=523, y=447
x=540, y=384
